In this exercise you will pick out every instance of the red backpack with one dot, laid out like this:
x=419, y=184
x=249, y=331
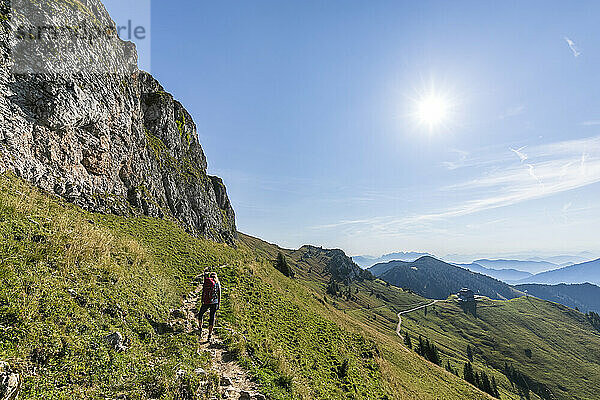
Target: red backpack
x=208, y=290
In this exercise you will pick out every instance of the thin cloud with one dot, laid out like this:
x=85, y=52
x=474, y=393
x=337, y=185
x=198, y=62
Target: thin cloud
x=531, y=169
x=573, y=47
x=513, y=112
x=591, y=123
x=552, y=169
x=519, y=152
x=460, y=162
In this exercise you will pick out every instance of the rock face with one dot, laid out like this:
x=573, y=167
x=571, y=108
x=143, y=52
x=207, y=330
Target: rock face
x=116, y=341
x=10, y=383
x=335, y=262
x=78, y=119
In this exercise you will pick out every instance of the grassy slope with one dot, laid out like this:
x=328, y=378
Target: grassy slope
x=565, y=353
x=68, y=278
x=584, y=296
x=371, y=310
x=565, y=350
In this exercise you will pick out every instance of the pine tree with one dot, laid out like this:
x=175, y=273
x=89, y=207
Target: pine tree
x=496, y=394
x=408, y=341
x=485, y=383
x=468, y=373
x=448, y=366
x=434, y=355
x=333, y=288
x=421, y=347
x=469, y=353
x=282, y=265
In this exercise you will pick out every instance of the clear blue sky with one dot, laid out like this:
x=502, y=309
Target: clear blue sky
x=304, y=108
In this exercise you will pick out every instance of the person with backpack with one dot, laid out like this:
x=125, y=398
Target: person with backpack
x=211, y=300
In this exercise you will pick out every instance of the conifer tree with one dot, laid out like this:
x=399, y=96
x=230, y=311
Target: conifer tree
x=282, y=265
x=421, y=347
x=468, y=373
x=496, y=394
x=408, y=341
x=485, y=383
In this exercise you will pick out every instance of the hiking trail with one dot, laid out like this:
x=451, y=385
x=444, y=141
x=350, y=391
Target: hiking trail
x=400, y=314
x=233, y=381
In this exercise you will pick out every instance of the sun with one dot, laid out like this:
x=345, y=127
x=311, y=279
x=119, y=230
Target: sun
x=432, y=110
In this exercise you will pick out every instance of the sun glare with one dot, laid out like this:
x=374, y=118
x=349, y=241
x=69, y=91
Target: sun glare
x=432, y=110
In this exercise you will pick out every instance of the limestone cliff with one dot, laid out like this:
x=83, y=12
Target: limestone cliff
x=78, y=119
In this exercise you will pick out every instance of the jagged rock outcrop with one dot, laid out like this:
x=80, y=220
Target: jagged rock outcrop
x=116, y=341
x=78, y=119
x=10, y=382
x=335, y=262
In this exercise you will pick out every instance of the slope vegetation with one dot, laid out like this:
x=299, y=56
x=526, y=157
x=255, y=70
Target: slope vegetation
x=553, y=349
x=585, y=296
x=69, y=278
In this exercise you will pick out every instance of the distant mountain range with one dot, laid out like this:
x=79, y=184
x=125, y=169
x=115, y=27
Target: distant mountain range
x=585, y=296
x=368, y=261
x=508, y=275
x=524, y=263
x=533, y=267
x=433, y=278
x=564, y=260
x=578, y=273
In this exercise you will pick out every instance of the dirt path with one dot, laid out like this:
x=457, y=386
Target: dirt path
x=400, y=314
x=234, y=382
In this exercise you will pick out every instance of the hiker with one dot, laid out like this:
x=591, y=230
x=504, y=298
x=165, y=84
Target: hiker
x=211, y=300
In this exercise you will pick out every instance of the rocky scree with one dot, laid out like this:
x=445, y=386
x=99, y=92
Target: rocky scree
x=85, y=124
x=10, y=382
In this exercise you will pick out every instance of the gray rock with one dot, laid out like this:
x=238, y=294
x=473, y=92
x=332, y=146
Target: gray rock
x=101, y=133
x=200, y=372
x=10, y=382
x=177, y=313
x=116, y=341
x=244, y=395
x=225, y=381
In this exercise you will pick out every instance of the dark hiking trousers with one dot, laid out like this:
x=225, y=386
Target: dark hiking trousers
x=213, y=312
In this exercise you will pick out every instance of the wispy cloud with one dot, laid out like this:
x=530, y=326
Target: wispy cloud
x=461, y=158
x=513, y=112
x=591, y=123
x=573, y=47
x=552, y=168
x=519, y=152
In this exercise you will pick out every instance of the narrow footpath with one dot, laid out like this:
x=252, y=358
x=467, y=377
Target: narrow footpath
x=233, y=381
x=400, y=314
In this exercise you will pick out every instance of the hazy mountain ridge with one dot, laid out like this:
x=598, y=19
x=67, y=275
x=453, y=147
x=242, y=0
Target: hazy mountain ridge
x=525, y=263
x=578, y=273
x=505, y=275
x=585, y=296
x=369, y=261
x=519, y=265
x=433, y=278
